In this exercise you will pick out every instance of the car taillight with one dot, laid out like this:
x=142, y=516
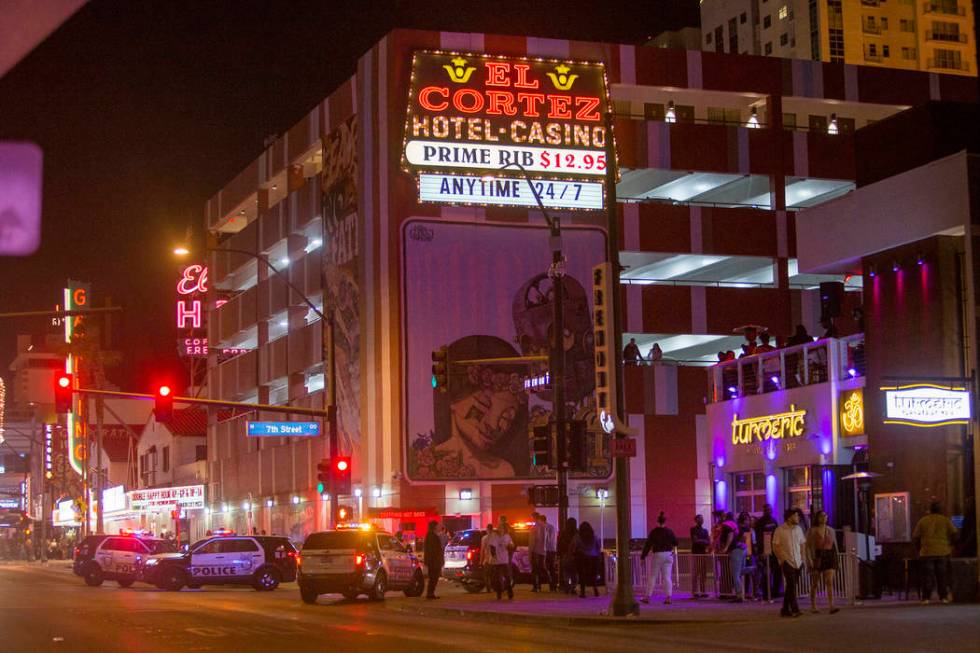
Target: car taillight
x=472, y=553
x=299, y=559
x=358, y=559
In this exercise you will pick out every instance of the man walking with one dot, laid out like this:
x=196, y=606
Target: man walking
x=788, y=544
x=434, y=558
x=537, y=552
x=700, y=542
x=934, y=534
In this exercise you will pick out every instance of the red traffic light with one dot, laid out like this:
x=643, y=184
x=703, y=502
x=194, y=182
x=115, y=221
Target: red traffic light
x=343, y=465
x=64, y=389
x=164, y=391
x=64, y=381
x=163, y=405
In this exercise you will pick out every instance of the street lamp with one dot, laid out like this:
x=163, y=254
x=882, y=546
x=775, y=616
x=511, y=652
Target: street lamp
x=326, y=344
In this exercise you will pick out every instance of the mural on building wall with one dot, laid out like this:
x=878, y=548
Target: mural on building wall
x=341, y=261
x=501, y=307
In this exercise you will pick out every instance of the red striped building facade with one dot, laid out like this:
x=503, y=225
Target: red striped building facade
x=717, y=153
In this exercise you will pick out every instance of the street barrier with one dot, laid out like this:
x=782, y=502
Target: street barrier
x=713, y=575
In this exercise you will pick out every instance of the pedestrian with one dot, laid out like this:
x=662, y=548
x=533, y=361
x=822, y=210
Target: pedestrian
x=767, y=565
x=501, y=546
x=739, y=545
x=536, y=550
x=700, y=545
x=934, y=534
x=661, y=541
x=434, y=556
x=566, y=556
x=821, y=550
x=585, y=548
x=656, y=353
x=789, y=545
x=550, y=551
x=486, y=560
x=799, y=337
x=443, y=535
x=631, y=353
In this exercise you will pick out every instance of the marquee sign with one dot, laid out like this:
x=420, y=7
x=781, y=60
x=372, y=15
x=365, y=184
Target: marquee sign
x=769, y=427
x=473, y=114
x=167, y=498
x=926, y=405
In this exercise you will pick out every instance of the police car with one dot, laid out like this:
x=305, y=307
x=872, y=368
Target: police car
x=357, y=559
x=262, y=561
x=463, y=557
x=99, y=558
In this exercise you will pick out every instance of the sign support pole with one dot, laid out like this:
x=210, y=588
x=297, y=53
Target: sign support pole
x=624, y=603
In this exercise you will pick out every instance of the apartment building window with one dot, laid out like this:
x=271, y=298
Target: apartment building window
x=783, y=39
x=733, y=36
x=945, y=7
x=908, y=54
x=835, y=30
x=767, y=21
x=951, y=59
x=884, y=50
x=707, y=38
x=783, y=12
x=906, y=25
x=724, y=115
x=769, y=47
x=166, y=459
x=943, y=31
x=872, y=49
x=719, y=39
x=750, y=492
x=743, y=18
x=884, y=23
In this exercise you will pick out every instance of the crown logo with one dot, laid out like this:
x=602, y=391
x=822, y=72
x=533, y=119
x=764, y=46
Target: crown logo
x=459, y=72
x=562, y=80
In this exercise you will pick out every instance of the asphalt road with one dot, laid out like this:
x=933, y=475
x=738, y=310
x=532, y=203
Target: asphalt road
x=49, y=609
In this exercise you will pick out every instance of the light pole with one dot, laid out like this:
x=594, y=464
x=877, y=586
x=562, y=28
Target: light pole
x=556, y=272
x=603, y=494
x=326, y=344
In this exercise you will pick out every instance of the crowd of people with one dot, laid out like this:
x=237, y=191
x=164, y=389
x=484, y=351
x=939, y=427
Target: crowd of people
x=564, y=561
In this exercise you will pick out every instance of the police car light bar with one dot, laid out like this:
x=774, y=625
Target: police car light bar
x=223, y=531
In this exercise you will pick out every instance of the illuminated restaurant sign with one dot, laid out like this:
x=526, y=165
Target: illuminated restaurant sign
x=188, y=496
x=925, y=405
x=769, y=427
x=852, y=412
x=473, y=114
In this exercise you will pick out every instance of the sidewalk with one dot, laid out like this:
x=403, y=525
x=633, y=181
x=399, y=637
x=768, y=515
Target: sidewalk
x=562, y=609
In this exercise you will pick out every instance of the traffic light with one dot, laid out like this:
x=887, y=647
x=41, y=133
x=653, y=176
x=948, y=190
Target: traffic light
x=541, y=446
x=64, y=386
x=341, y=476
x=163, y=407
x=322, y=475
x=575, y=446
x=440, y=369
x=605, y=349
x=342, y=513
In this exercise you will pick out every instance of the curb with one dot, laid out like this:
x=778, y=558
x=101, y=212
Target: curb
x=527, y=618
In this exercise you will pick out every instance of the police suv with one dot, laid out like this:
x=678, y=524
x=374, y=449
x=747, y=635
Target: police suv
x=357, y=559
x=262, y=561
x=110, y=557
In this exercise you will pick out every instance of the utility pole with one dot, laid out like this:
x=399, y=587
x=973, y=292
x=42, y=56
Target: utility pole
x=624, y=603
x=330, y=373
x=557, y=274
x=99, y=519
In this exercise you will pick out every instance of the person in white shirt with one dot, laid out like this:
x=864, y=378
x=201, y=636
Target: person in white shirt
x=550, y=554
x=501, y=545
x=789, y=546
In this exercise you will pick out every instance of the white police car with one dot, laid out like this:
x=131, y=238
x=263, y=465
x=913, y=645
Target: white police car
x=262, y=561
x=99, y=558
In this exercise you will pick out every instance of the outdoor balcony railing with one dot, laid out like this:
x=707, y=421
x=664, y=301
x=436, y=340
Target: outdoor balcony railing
x=952, y=9
x=791, y=367
x=949, y=37
x=946, y=64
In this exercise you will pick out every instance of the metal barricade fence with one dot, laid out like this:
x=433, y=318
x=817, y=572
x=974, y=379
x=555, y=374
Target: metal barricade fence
x=712, y=574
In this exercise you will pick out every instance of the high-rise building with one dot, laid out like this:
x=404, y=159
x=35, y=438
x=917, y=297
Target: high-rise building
x=929, y=35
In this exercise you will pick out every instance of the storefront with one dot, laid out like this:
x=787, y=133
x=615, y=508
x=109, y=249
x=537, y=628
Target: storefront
x=171, y=511
x=789, y=448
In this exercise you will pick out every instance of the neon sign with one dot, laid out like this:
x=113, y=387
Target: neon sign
x=478, y=113
x=927, y=405
x=769, y=427
x=852, y=412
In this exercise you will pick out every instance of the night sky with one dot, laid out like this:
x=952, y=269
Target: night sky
x=145, y=109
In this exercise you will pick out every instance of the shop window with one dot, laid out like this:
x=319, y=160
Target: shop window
x=799, y=489
x=750, y=492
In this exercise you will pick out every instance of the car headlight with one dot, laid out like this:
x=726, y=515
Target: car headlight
x=151, y=562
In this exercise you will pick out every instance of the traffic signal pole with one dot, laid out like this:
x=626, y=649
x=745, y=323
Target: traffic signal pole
x=557, y=273
x=624, y=603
